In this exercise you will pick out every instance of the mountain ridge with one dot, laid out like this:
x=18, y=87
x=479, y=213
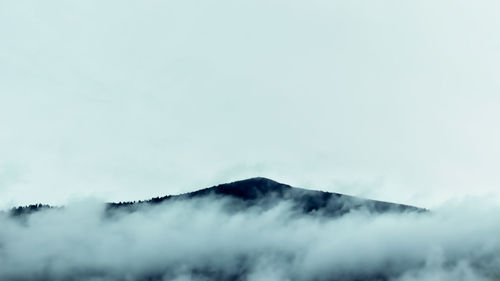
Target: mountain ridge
x=263, y=192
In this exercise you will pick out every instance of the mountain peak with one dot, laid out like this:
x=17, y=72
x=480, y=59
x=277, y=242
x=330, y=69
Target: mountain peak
x=261, y=181
x=252, y=188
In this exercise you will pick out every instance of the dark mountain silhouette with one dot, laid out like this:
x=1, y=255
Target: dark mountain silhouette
x=239, y=196
x=265, y=193
x=261, y=193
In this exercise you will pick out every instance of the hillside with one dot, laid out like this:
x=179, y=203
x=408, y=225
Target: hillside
x=264, y=193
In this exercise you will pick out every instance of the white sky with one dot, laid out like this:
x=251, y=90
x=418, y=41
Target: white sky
x=123, y=100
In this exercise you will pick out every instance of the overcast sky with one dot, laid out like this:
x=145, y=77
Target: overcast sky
x=394, y=100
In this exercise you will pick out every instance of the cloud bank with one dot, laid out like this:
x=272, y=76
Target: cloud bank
x=201, y=240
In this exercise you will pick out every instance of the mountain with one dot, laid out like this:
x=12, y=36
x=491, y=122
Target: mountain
x=161, y=251
x=264, y=193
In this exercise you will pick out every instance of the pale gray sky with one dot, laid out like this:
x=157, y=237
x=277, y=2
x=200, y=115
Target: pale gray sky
x=123, y=100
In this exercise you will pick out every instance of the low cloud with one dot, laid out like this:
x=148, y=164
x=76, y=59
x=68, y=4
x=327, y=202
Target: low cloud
x=201, y=240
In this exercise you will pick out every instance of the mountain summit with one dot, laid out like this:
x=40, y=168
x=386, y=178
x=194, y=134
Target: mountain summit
x=249, y=189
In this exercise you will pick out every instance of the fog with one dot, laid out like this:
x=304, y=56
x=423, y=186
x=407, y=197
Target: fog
x=201, y=240
x=392, y=100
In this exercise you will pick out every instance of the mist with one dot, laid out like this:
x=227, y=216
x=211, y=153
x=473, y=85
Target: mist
x=200, y=239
